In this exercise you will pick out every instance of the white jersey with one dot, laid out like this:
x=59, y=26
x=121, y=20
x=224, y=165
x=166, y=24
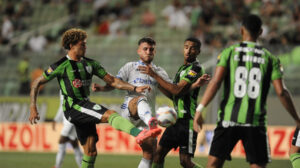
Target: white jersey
x=130, y=73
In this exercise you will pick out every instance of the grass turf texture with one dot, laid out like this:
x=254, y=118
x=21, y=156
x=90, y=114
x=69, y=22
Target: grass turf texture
x=46, y=160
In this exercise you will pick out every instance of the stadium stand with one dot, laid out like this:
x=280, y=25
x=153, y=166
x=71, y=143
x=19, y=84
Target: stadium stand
x=213, y=22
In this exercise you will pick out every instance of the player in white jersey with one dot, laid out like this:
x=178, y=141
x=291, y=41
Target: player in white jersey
x=140, y=108
x=68, y=134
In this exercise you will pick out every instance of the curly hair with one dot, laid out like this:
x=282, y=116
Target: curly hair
x=72, y=36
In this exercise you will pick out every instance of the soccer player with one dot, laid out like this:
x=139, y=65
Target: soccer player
x=247, y=70
x=139, y=108
x=180, y=134
x=68, y=134
x=74, y=74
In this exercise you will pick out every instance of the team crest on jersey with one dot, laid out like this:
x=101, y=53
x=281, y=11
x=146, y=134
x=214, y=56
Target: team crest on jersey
x=88, y=69
x=97, y=107
x=49, y=71
x=192, y=73
x=219, y=57
x=77, y=83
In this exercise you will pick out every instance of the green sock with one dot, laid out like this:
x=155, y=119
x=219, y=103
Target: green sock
x=122, y=124
x=88, y=161
x=295, y=159
x=157, y=165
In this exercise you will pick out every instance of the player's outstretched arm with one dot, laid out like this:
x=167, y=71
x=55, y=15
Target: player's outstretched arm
x=201, y=81
x=98, y=88
x=286, y=99
x=209, y=94
x=119, y=84
x=174, y=89
x=34, y=115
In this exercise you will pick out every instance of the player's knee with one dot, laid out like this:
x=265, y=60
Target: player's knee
x=133, y=106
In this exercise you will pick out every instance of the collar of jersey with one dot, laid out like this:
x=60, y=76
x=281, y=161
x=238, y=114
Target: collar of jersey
x=69, y=58
x=250, y=42
x=191, y=62
x=141, y=63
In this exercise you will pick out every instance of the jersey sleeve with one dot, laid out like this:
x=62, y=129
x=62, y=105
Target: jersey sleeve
x=51, y=72
x=276, y=69
x=98, y=70
x=193, y=74
x=162, y=73
x=223, y=57
x=123, y=73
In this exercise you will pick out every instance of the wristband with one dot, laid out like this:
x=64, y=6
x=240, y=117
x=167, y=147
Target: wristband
x=199, y=108
x=134, y=89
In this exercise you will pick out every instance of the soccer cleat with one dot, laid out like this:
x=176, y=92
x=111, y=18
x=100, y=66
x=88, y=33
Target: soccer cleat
x=153, y=123
x=147, y=133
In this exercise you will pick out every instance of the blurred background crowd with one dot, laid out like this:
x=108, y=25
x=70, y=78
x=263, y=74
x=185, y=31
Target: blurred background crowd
x=31, y=31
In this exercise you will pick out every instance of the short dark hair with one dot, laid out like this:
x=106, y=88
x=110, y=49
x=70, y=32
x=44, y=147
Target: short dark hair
x=194, y=40
x=148, y=40
x=253, y=24
x=72, y=36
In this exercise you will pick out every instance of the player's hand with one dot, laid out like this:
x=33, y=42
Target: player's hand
x=142, y=89
x=203, y=80
x=198, y=121
x=34, y=115
x=96, y=87
x=146, y=70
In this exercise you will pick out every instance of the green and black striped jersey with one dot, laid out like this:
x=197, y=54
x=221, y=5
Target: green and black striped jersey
x=74, y=77
x=249, y=72
x=186, y=104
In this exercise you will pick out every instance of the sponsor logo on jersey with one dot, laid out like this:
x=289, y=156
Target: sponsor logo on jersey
x=192, y=73
x=49, y=71
x=144, y=81
x=77, y=83
x=88, y=69
x=219, y=57
x=97, y=107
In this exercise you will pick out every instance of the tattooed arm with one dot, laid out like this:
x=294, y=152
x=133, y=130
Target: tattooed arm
x=34, y=115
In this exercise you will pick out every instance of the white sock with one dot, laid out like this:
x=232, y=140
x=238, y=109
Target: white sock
x=60, y=154
x=144, y=163
x=144, y=111
x=78, y=156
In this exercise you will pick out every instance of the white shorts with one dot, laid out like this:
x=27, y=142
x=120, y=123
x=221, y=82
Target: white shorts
x=126, y=114
x=68, y=130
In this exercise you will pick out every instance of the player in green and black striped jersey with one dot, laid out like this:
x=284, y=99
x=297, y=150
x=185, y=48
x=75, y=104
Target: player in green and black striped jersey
x=247, y=70
x=74, y=74
x=184, y=98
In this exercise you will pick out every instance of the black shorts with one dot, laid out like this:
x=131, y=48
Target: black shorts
x=180, y=134
x=296, y=138
x=254, y=140
x=85, y=115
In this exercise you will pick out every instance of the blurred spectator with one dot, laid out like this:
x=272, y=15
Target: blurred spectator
x=25, y=9
x=101, y=8
x=23, y=71
x=7, y=30
x=37, y=42
x=175, y=15
x=148, y=18
x=34, y=75
x=9, y=9
x=103, y=27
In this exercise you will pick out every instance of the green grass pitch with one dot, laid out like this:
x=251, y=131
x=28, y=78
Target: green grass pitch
x=46, y=160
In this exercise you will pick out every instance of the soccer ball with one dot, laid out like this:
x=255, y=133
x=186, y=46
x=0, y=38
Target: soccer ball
x=166, y=116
